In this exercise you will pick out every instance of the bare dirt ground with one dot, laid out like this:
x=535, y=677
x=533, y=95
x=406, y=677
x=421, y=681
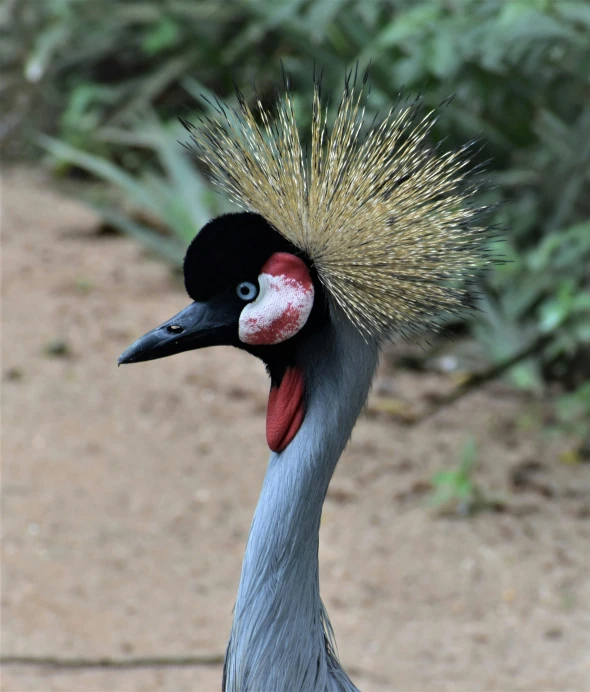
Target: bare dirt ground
x=128, y=493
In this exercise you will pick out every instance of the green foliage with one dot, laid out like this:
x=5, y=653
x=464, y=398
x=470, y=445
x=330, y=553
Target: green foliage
x=172, y=195
x=544, y=290
x=86, y=72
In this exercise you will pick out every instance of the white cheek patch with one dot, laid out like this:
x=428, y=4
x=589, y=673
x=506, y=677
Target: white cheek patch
x=282, y=307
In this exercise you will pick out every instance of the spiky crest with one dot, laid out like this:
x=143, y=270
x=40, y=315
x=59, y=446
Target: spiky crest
x=389, y=223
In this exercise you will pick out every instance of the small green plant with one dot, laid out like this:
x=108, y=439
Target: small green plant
x=455, y=490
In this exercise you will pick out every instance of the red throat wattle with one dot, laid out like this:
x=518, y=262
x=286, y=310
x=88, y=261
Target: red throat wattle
x=286, y=410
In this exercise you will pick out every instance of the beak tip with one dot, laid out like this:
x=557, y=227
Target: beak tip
x=145, y=348
x=125, y=357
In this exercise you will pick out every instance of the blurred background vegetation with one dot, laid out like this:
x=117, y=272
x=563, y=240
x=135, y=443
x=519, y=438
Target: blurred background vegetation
x=94, y=89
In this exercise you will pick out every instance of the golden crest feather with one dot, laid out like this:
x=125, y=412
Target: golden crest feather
x=388, y=222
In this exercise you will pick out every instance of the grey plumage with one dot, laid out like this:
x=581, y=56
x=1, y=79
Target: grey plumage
x=281, y=637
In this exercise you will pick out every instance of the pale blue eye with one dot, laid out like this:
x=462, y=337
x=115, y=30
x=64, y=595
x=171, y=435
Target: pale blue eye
x=247, y=290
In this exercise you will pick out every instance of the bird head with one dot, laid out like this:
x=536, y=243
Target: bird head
x=374, y=226
x=251, y=288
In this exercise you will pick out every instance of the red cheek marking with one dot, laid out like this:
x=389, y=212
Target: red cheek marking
x=283, y=305
x=286, y=410
x=288, y=323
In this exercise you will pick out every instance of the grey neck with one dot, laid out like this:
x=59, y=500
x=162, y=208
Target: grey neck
x=281, y=638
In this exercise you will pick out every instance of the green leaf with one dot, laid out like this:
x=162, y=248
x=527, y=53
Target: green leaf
x=162, y=36
x=553, y=314
x=169, y=249
x=576, y=12
x=444, y=55
x=409, y=23
x=101, y=168
x=46, y=45
x=581, y=302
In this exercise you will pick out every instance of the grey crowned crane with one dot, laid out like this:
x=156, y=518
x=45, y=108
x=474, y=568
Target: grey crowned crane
x=372, y=235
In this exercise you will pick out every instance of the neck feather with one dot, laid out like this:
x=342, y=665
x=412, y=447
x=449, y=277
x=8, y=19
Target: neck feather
x=281, y=637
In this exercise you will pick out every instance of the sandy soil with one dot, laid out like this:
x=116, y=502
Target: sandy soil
x=127, y=497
